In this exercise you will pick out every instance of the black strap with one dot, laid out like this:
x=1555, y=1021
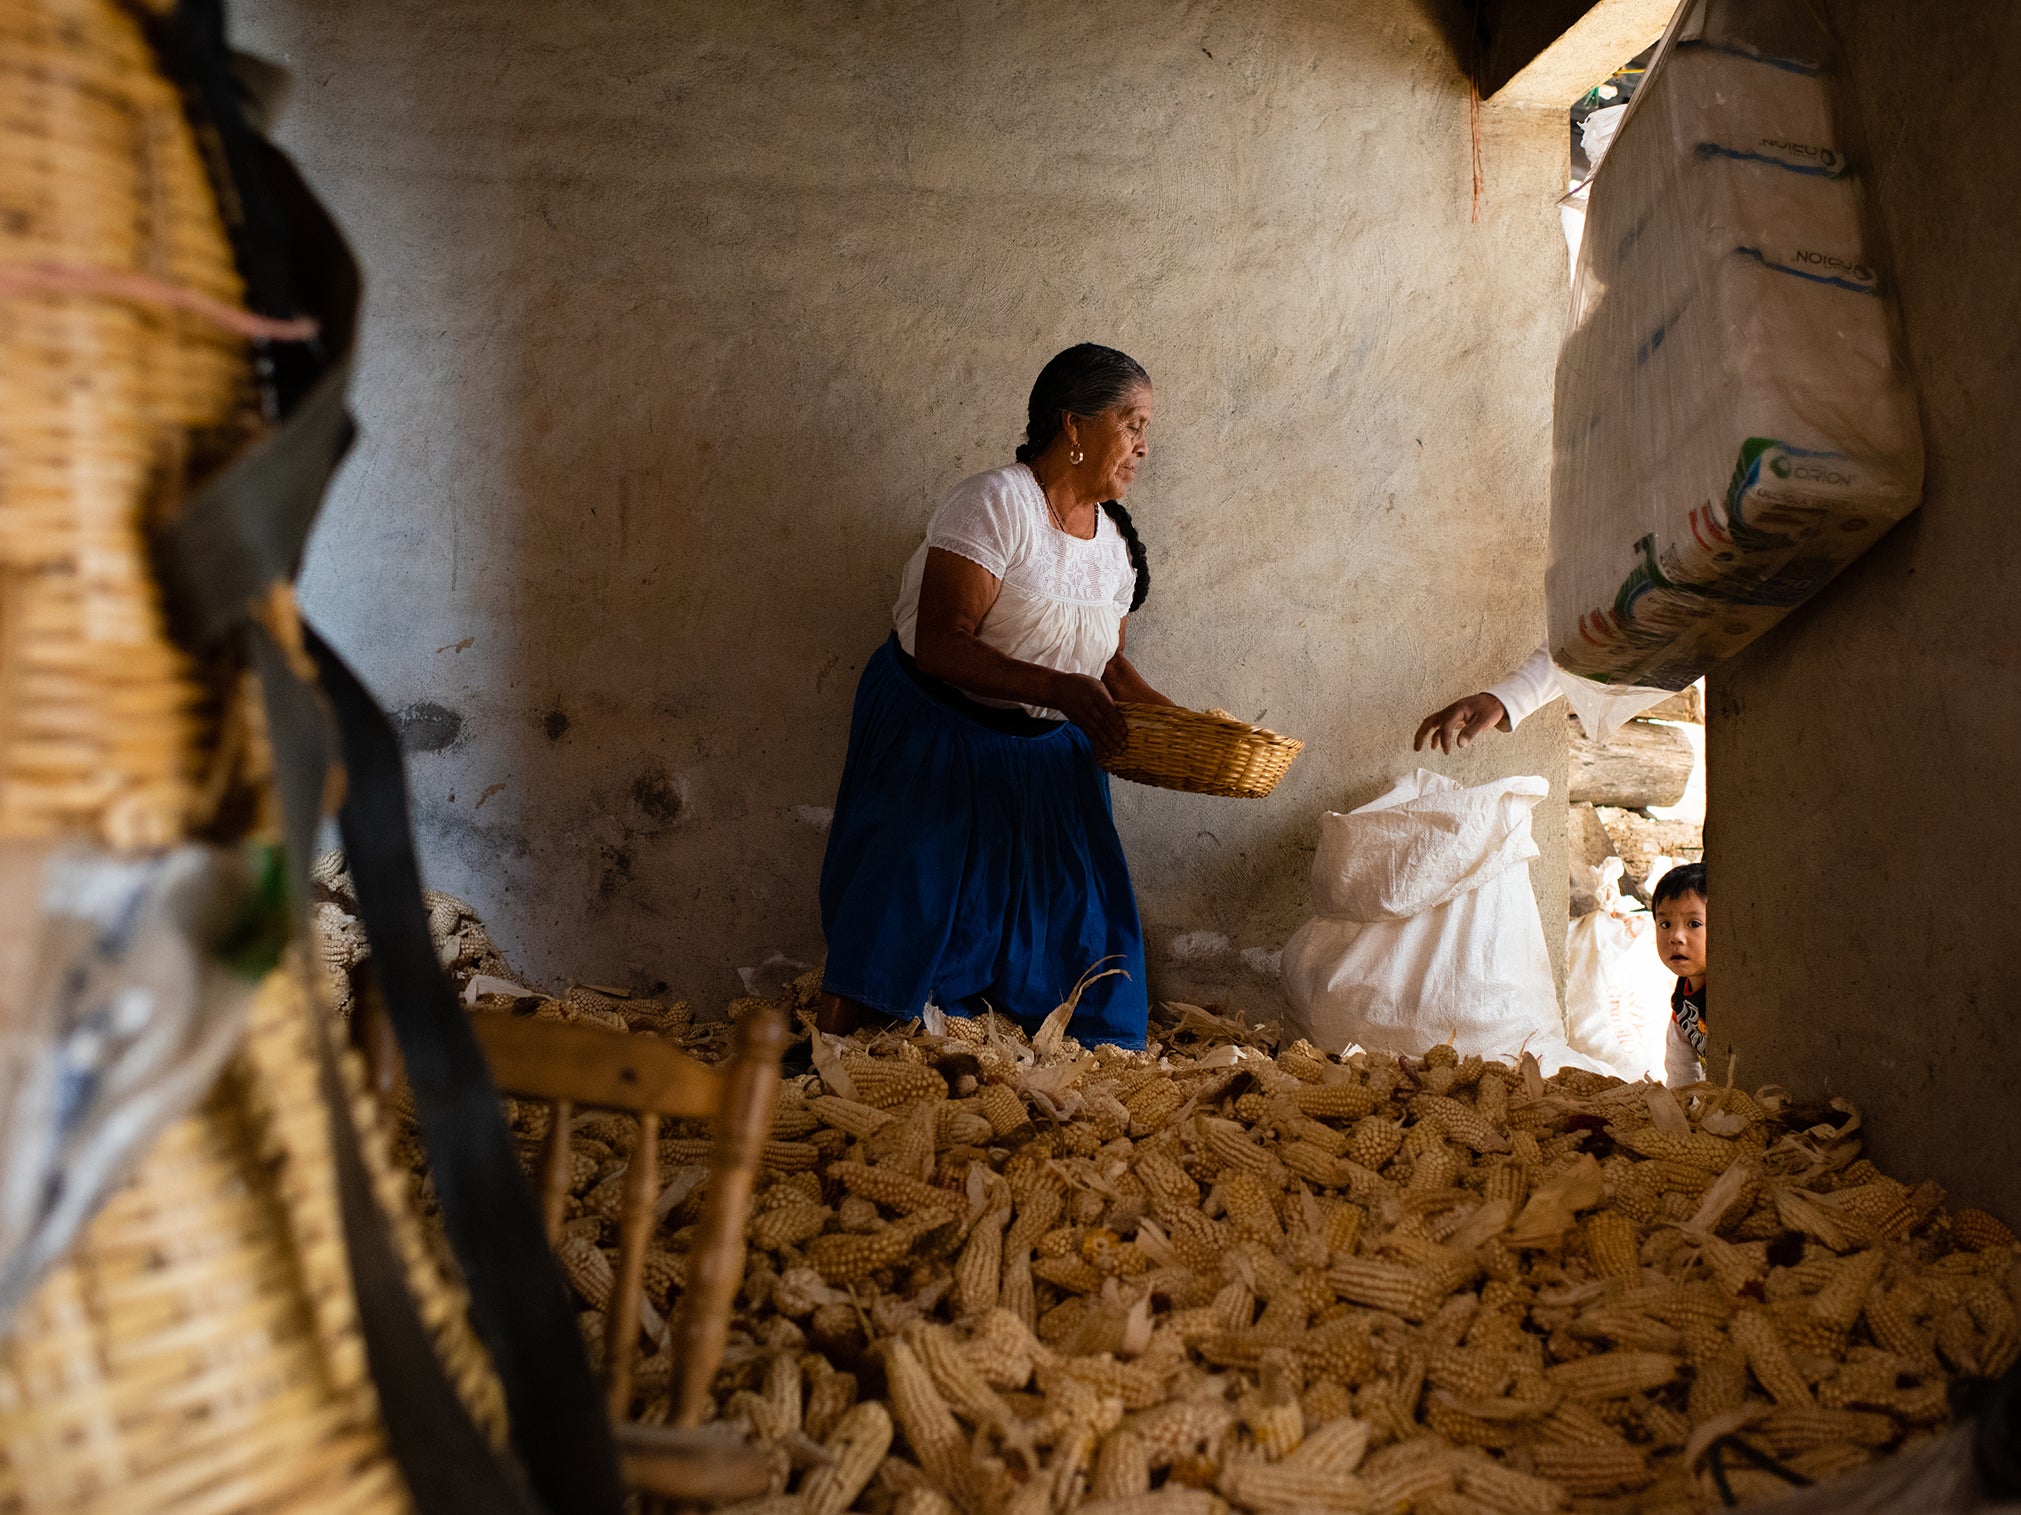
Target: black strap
x=190, y=41
x=241, y=536
x=449, y=1467
x=519, y=1297
x=1748, y=1453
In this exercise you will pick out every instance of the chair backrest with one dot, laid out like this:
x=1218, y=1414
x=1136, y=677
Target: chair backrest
x=577, y=1066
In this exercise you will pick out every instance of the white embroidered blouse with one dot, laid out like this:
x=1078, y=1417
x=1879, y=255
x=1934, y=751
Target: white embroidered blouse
x=1063, y=598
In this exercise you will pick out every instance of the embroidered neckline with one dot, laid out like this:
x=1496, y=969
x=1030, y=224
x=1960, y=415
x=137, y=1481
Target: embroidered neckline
x=1046, y=507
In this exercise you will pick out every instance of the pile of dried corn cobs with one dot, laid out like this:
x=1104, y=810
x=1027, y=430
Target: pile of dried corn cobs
x=985, y=1276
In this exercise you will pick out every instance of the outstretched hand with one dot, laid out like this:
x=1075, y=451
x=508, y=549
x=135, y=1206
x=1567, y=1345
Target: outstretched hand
x=1087, y=703
x=1459, y=723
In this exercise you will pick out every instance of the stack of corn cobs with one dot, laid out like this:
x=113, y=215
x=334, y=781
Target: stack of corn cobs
x=997, y=1273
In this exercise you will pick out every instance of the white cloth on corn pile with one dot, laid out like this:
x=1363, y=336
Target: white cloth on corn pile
x=1603, y=709
x=1426, y=928
x=1063, y=598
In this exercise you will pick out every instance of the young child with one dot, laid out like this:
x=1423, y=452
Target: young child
x=1679, y=908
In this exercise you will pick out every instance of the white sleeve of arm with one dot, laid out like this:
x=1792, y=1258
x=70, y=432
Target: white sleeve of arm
x=1529, y=688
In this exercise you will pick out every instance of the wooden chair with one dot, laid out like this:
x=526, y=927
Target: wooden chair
x=576, y=1067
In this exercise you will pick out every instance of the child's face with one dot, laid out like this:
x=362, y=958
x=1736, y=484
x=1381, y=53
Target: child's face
x=1680, y=935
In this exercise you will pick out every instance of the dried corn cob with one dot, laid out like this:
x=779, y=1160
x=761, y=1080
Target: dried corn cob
x=830, y=1394
x=1612, y=1375
x=1071, y=1273
x=1714, y=1154
x=588, y=1270
x=788, y=1225
x=929, y=1424
x=1411, y=1292
x=1153, y=1106
x=959, y=1380
x=840, y=1259
x=1181, y=1428
x=908, y=1196
x=1272, y=1414
x=1462, y=1122
x=1613, y=1244
x=1122, y=1470
x=1798, y=1428
x=1037, y=1208
x=1374, y=1141
x=1017, y=1295
x=856, y=1447
x=1844, y=1294
x=1198, y=1242
x=1977, y=1230
x=883, y=1083
x=1312, y=1162
x=1582, y=1469
x=1755, y=1333
x=1231, y=1144
x=847, y=1115
x=1334, y=1101
x=1139, y=1384
x=979, y=1276
x=1258, y=1484
x=1252, y=1211
x=1403, y=1476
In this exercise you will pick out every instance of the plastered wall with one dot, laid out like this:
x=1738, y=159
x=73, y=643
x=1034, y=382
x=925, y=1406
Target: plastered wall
x=680, y=317
x=1865, y=758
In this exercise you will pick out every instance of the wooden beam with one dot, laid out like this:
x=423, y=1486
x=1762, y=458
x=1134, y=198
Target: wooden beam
x=1586, y=53
x=1644, y=764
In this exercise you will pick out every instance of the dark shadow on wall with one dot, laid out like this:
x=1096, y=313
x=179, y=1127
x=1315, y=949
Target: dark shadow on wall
x=1464, y=25
x=1493, y=40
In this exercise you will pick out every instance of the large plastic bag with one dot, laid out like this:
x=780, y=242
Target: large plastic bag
x=123, y=989
x=1734, y=422
x=1426, y=928
x=1617, y=991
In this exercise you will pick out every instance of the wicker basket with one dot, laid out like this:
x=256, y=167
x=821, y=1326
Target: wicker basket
x=1201, y=752
x=106, y=400
x=198, y=1350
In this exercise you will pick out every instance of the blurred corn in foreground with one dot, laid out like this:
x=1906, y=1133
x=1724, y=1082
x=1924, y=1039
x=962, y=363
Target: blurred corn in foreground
x=1030, y=1275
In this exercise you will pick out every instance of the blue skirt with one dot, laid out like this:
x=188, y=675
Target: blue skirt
x=976, y=867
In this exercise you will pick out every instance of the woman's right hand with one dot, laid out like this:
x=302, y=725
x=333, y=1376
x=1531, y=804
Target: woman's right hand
x=1086, y=702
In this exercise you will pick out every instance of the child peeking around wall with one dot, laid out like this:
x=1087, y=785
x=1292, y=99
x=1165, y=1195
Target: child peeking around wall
x=1679, y=908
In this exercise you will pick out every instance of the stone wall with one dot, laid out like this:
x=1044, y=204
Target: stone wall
x=1863, y=758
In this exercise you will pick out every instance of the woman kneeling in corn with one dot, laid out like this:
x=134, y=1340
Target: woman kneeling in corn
x=974, y=861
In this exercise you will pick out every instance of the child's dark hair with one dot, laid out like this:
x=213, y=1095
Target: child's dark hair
x=1085, y=380
x=1678, y=882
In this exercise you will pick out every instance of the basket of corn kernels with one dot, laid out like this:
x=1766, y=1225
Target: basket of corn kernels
x=984, y=1277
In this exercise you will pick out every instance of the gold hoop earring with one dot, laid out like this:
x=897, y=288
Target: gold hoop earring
x=1075, y=457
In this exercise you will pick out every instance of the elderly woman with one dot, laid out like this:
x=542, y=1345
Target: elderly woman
x=974, y=861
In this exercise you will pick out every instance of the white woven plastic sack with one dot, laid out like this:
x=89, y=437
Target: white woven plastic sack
x=1426, y=929
x=1617, y=991
x=1734, y=421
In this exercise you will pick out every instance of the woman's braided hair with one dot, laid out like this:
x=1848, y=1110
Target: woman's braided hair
x=1086, y=380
